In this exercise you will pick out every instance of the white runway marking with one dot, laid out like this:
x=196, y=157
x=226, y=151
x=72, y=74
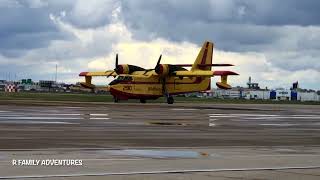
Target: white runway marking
x=98, y=114
x=284, y=124
x=40, y=118
x=284, y=117
x=211, y=124
x=40, y=114
x=183, y=109
x=159, y=172
x=223, y=116
x=105, y=118
x=37, y=122
x=240, y=115
x=265, y=116
x=70, y=107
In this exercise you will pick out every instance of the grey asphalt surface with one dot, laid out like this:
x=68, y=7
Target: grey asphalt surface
x=126, y=138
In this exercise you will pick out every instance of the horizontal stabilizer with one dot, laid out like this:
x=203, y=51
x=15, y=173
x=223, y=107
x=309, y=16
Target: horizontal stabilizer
x=202, y=65
x=87, y=85
x=224, y=73
x=223, y=85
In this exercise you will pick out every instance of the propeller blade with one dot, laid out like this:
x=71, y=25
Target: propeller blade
x=110, y=74
x=159, y=60
x=116, y=60
x=147, y=70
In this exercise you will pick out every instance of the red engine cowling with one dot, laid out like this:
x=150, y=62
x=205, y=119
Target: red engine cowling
x=127, y=69
x=167, y=69
x=162, y=69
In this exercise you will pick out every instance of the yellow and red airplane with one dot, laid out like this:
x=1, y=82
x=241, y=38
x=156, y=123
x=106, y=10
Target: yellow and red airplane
x=134, y=82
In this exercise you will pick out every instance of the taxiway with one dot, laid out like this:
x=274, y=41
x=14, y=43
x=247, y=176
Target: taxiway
x=160, y=141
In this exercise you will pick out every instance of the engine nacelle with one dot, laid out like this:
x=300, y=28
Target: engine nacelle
x=127, y=69
x=162, y=69
x=167, y=69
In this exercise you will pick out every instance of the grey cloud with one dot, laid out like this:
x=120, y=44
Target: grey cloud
x=268, y=27
x=230, y=22
x=286, y=32
x=24, y=27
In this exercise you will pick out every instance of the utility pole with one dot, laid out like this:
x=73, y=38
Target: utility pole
x=56, y=73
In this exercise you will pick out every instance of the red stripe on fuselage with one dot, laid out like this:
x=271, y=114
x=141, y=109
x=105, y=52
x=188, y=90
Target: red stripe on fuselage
x=198, y=80
x=124, y=95
x=204, y=57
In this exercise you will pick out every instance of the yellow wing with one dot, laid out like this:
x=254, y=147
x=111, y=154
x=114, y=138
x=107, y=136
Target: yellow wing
x=88, y=77
x=199, y=73
x=194, y=73
x=99, y=73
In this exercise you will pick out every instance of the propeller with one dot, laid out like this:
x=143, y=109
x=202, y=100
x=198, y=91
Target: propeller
x=116, y=66
x=146, y=71
x=117, y=61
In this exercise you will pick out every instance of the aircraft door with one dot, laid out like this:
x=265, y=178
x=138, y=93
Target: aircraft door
x=176, y=84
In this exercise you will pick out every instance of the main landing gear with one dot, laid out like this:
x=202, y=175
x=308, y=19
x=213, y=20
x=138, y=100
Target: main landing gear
x=143, y=101
x=115, y=99
x=170, y=100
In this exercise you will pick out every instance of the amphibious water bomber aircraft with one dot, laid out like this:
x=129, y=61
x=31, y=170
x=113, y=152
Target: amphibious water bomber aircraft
x=134, y=82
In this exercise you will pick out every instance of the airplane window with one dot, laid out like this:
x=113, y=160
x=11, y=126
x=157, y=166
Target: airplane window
x=127, y=78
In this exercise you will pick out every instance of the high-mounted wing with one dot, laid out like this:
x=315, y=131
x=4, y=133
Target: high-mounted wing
x=99, y=73
x=200, y=73
x=88, y=77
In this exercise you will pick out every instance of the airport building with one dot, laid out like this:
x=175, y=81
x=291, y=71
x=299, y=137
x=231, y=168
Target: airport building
x=253, y=91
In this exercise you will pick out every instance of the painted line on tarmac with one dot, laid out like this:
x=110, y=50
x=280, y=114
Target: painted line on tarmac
x=158, y=172
x=96, y=114
x=227, y=114
x=39, y=118
x=35, y=122
x=183, y=109
x=70, y=107
x=285, y=117
x=102, y=118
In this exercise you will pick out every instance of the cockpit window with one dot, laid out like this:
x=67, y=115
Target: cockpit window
x=120, y=79
x=124, y=78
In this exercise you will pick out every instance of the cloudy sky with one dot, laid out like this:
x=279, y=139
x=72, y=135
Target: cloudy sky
x=275, y=42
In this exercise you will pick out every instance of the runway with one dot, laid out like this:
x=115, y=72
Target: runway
x=119, y=140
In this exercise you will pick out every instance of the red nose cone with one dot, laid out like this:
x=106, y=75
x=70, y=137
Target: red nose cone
x=161, y=69
x=120, y=69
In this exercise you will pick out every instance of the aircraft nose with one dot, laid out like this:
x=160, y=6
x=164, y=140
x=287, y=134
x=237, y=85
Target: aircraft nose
x=114, y=82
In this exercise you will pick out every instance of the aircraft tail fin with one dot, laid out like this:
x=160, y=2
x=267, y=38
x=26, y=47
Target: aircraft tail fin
x=204, y=57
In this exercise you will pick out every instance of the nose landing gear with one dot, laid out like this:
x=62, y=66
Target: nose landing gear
x=170, y=100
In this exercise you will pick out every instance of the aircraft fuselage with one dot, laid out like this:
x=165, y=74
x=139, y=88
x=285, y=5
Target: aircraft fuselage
x=152, y=88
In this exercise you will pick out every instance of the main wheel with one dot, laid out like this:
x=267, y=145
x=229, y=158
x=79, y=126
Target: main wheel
x=115, y=99
x=170, y=100
x=143, y=101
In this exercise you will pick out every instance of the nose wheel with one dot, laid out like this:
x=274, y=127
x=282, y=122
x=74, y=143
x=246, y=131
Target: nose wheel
x=143, y=101
x=115, y=99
